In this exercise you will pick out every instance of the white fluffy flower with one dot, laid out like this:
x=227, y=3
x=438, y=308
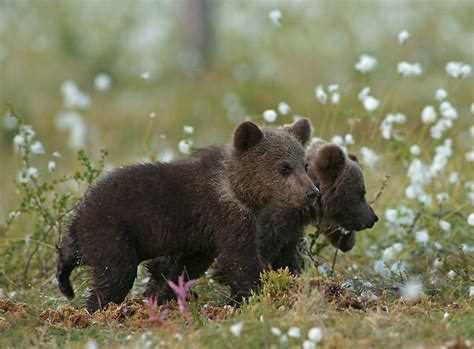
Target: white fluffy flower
x=428, y=115
x=276, y=331
x=366, y=63
x=412, y=290
x=422, y=236
x=270, y=115
x=73, y=96
x=415, y=149
x=283, y=108
x=74, y=123
x=294, y=332
x=51, y=166
x=369, y=157
x=458, y=70
x=471, y=291
x=102, y=82
x=348, y=139
x=442, y=197
x=307, y=344
x=441, y=94
x=188, y=130
x=152, y=115
x=333, y=88
x=315, y=334
x=237, y=328
x=470, y=219
x=448, y=111
x=451, y=274
x=145, y=75
x=409, y=69
x=9, y=122
x=57, y=154
x=453, y=178
x=403, y=36
x=371, y=103
x=275, y=16
x=184, y=146
x=37, y=148
x=445, y=226
x=320, y=94
x=338, y=140
x=335, y=98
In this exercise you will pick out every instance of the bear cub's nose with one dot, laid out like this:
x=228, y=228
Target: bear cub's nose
x=312, y=192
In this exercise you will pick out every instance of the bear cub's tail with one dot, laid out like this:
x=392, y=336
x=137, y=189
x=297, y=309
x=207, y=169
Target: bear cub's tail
x=69, y=257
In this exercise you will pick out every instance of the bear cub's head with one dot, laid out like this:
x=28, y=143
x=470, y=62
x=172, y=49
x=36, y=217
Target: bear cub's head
x=268, y=165
x=342, y=187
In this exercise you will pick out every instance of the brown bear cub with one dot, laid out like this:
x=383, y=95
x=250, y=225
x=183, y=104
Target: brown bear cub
x=340, y=211
x=200, y=208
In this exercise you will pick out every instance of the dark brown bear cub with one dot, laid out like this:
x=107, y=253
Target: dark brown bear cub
x=199, y=208
x=341, y=211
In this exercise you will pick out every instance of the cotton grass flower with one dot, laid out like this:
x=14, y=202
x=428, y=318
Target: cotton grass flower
x=320, y=95
x=406, y=69
x=451, y=274
x=470, y=219
x=441, y=94
x=184, y=146
x=145, y=76
x=102, y=82
x=276, y=17
x=315, y=334
x=51, y=166
x=37, y=148
x=471, y=291
x=366, y=63
x=370, y=103
x=73, y=123
x=415, y=149
x=412, y=290
x=294, y=332
x=307, y=344
x=369, y=157
x=283, y=108
x=428, y=115
x=276, y=331
x=422, y=236
x=270, y=115
x=403, y=37
x=236, y=329
x=73, y=96
x=458, y=70
x=188, y=130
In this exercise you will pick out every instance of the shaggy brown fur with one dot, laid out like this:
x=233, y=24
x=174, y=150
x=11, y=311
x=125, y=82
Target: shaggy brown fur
x=341, y=211
x=198, y=208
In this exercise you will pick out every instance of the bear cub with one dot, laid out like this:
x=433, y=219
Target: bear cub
x=200, y=208
x=340, y=210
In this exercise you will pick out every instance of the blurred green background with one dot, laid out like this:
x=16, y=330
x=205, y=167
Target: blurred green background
x=211, y=64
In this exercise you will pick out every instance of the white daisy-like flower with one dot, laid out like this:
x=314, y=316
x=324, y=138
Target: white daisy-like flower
x=236, y=329
x=275, y=16
x=403, y=36
x=412, y=290
x=428, y=115
x=270, y=115
x=409, y=69
x=102, y=82
x=283, y=108
x=366, y=63
x=320, y=94
x=458, y=70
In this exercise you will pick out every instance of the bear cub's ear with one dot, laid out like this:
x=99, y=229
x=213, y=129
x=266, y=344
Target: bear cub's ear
x=353, y=157
x=330, y=160
x=246, y=135
x=301, y=130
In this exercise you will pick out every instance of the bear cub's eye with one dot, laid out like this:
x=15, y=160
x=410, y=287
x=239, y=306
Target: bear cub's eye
x=306, y=167
x=285, y=170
